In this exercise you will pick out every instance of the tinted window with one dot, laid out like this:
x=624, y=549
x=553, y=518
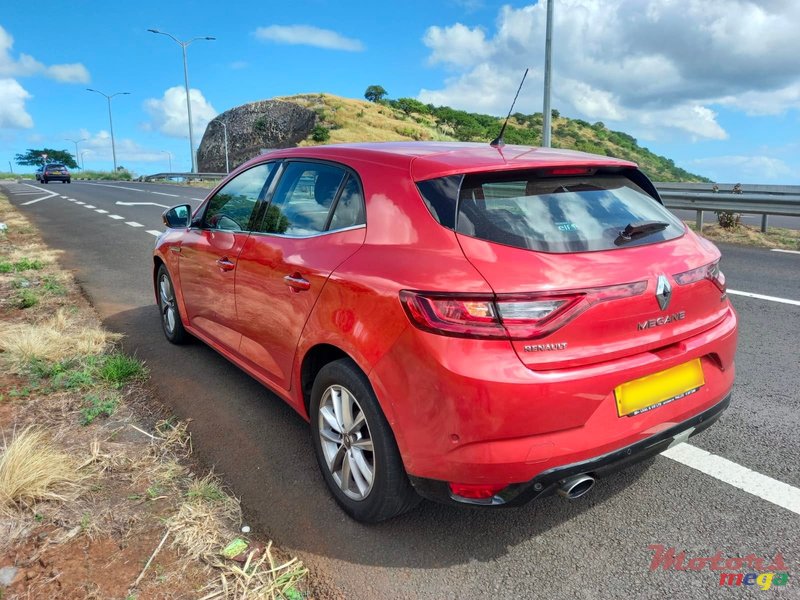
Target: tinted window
x=349, y=210
x=232, y=206
x=568, y=214
x=440, y=198
x=303, y=199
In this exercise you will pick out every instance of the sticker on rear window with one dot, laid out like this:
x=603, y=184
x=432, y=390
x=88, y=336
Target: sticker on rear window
x=566, y=226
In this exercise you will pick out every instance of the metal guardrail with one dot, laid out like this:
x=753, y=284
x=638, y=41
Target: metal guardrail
x=199, y=176
x=761, y=200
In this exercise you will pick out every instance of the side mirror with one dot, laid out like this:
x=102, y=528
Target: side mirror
x=177, y=217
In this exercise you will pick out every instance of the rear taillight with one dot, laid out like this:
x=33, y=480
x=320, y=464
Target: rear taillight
x=506, y=316
x=711, y=272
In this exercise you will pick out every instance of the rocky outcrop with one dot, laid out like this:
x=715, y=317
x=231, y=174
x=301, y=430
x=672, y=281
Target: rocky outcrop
x=252, y=128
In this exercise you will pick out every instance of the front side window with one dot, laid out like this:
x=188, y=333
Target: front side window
x=556, y=214
x=232, y=206
x=303, y=199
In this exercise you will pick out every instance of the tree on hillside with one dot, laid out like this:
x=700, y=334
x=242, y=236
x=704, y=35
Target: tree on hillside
x=375, y=93
x=33, y=158
x=409, y=105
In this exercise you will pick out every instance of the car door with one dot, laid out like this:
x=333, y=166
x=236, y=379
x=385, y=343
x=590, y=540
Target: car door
x=314, y=221
x=210, y=250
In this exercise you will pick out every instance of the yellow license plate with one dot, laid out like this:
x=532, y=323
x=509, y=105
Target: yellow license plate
x=652, y=391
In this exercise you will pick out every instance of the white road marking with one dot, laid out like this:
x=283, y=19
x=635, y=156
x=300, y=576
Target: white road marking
x=79, y=202
x=101, y=211
x=35, y=200
x=154, y=232
x=766, y=488
x=786, y=251
x=163, y=194
x=133, y=224
x=63, y=196
x=23, y=193
x=140, y=204
x=72, y=199
x=121, y=187
x=117, y=217
x=763, y=297
x=198, y=199
x=89, y=206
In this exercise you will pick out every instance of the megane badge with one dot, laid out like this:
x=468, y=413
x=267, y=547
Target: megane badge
x=663, y=292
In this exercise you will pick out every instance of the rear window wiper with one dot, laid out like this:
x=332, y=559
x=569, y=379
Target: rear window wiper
x=638, y=230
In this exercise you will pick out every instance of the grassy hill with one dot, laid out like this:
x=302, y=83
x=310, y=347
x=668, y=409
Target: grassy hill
x=349, y=120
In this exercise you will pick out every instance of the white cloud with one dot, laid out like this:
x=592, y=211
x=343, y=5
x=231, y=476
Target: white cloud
x=12, y=105
x=27, y=66
x=308, y=35
x=739, y=168
x=98, y=148
x=652, y=66
x=169, y=114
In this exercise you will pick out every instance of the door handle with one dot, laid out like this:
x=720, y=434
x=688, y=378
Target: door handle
x=297, y=282
x=225, y=265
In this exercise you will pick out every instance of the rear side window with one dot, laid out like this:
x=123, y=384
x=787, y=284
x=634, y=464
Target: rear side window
x=561, y=214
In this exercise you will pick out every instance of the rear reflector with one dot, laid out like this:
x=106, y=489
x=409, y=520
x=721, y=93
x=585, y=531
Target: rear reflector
x=514, y=316
x=475, y=491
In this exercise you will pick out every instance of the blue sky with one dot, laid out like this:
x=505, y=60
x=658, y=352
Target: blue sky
x=712, y=84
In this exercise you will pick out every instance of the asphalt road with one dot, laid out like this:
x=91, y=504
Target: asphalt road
x=596, y=547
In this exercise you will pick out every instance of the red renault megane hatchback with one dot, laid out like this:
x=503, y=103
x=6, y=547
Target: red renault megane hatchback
x=472, y=324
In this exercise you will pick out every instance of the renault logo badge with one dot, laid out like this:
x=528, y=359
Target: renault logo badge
x=663, y=292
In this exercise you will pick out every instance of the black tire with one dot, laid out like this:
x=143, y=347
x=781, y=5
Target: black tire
x=69, y=180
x=44, y=180
x=391, y=493
x=170, y=324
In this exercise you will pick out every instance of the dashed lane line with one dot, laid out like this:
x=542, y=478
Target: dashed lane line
x=101, y=211
x=727, y=471
x=165, y=194
x=119, y=187
x=198, y=199
x=117, y=217
x=763, y=297
x=79, y=202
x=89, y=206
x=133, y=224
x=154, y=232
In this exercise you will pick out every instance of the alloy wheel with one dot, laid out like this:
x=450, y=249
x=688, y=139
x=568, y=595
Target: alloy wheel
x=346, y=442
x=169, y=314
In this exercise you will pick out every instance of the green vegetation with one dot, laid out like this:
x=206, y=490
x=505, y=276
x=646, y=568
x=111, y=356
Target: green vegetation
x=320, y=134
x=96, y=406
x=33, y=157
x=206, y=489
x=27, y=298
x=118, y=175
x=118, y=369
x=375, y=93
x=24, y=264
x=384, y=119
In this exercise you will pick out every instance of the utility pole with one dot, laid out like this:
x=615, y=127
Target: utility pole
x=548, y=54
x=110, y=121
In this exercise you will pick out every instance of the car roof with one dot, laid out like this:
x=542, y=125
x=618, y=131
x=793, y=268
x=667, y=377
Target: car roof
x=428, y=160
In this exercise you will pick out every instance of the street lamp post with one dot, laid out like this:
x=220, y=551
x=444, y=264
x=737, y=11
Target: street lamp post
x=184, y=45
x=225, y=135
x=76, y=142
x=110, y=121
x=83, y=162
x=548, y=53
x=169, y=155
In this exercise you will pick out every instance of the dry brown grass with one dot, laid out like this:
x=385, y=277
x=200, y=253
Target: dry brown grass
x=33, y=469
x=60, y=337
x=775, y=237
x=362, y=121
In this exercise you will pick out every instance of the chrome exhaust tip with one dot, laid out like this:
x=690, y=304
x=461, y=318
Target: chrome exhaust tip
x=575, y=487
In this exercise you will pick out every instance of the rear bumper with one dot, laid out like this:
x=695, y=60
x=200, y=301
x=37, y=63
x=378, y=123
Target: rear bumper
x=547, y=482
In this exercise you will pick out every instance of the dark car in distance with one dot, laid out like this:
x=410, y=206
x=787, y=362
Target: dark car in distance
x=55, y=172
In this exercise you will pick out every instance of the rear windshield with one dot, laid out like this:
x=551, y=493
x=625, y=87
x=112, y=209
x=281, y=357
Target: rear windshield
x=554, y=214
x=55, y=166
